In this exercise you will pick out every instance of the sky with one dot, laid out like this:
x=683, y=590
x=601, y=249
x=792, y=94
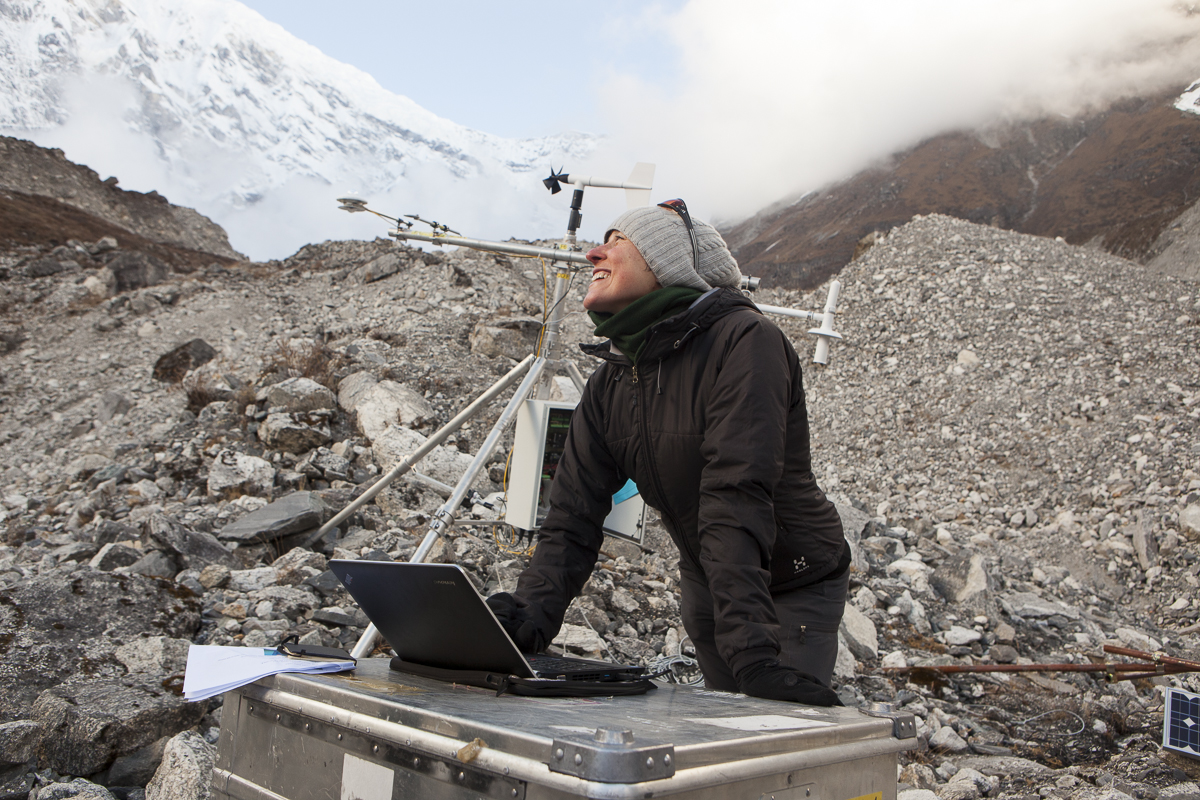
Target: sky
x=523, y=69
x=741, y=105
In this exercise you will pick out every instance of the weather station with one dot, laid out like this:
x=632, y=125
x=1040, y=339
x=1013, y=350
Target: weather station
x=379, y=734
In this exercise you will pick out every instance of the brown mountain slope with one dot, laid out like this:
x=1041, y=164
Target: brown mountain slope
x=1119, y=177
x=42, y=223
x=46, y=172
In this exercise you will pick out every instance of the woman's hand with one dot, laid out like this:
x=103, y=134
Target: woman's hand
x=513, y=614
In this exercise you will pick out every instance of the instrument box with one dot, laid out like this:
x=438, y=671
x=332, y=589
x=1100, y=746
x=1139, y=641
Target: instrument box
x=375, y=734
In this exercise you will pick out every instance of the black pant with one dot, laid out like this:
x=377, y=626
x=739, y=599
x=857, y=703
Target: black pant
x=809, y=618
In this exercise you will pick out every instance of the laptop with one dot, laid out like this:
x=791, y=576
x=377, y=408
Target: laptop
x=432, y=616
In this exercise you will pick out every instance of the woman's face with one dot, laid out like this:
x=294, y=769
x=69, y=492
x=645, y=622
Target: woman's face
x=619, y=275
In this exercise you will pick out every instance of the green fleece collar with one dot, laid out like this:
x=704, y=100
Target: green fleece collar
x=630, y=327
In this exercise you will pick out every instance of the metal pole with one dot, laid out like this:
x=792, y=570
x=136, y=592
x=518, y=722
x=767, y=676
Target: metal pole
x=576, y=375
x=444, y=516
x=433, y=441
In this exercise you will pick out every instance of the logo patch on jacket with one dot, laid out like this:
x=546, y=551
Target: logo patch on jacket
x=799, y=565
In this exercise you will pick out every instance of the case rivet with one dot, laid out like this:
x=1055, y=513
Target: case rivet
x=375, y=748
x=462, y=776
x=650, y=762
x=308, y=726
x=278, y=717
x=578, y=759
x=416, y=762
x=513, y=792
x=408, y=741
x=558, y=754
x=667, y=759
x=339, y=737
x=808, y=792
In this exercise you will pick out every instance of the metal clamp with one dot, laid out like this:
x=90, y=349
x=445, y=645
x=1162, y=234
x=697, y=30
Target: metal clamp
x=904, y=725
x=611, y=756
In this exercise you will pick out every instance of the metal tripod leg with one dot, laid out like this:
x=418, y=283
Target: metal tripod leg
x=443, y=518
x=433, y=441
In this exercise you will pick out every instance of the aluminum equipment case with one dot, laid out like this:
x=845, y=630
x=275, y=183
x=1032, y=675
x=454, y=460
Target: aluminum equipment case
x=374, y=734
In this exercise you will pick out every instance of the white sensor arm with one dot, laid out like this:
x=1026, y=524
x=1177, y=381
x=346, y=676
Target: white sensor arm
x=825, y=333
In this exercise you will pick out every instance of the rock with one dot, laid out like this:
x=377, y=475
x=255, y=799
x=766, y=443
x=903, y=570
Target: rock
x=1137, y=640
x=54, y=628
x=137, y=768
x=16, y=783
x=513, y=337
x=298, y=565
x=622, y=600
x=233, y=474
x=113, y=555
x=967, y=358
x=18, y=741
x=958, y=636
x=155, y=564
x=89, y=722
x=172, y=366
x=155, y=655
x=297, y=395
x=251, y=580
x=144, y=492
x=963, y=580
x=291, y=434
x=112, y=404
x=860, y=635
x=386, y=265
x=293, y=513
x=85, y=465
x=919, y=776
x=853, y=522
x=1003, y=766
x=186, y=769
x=387, y=404
x=354, y=387
x=917, y=794
x=135, y=270
x=1189, y=520
x=194, y=549
x=442, y=463
x=1003, y=653
x=845, y=667
x=961, y=790
x=76, y=789
x=324, y=463
x=1027, y=604
x=580, y=640
x=214, y=576
x=102, y=285
x=945, y=739
x=1144, y=545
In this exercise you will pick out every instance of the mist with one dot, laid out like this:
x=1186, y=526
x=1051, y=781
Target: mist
x=782, y=97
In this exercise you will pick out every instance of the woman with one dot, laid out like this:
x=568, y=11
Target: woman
x=699, y=401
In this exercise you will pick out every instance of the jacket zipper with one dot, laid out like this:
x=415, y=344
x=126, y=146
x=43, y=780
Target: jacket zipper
x=639, y=401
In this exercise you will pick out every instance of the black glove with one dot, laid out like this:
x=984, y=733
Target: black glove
x=773, y=681
x=517, y=620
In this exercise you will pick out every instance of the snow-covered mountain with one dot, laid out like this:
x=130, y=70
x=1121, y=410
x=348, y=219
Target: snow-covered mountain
x=215, y=107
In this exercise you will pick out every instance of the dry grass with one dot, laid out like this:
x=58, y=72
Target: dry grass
x=310, y=360
x=200, y=391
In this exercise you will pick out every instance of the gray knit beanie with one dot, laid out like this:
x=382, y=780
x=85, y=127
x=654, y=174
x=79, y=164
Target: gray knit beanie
x=661, y=237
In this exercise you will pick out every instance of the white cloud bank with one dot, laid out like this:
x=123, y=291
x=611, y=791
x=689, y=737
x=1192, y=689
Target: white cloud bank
x=779, y=97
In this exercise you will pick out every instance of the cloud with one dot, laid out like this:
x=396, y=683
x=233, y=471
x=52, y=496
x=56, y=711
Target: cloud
x=779, y=97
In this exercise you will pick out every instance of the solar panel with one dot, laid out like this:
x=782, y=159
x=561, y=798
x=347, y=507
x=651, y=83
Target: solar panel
x=1181, y=722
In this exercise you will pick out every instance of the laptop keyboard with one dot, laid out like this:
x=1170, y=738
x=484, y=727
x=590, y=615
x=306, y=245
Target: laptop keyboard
x=575, y=669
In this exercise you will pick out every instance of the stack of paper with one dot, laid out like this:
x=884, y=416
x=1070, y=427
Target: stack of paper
x=212, y=670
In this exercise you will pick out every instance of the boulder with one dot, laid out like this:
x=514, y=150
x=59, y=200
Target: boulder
x=513, y=337
x=186, y=769
x=55, y=626
x=293, y=513
x=193, y=549
x=963, y=580
x=298, y=395
x=111, y=405
x=137, y=768
x=387, y=404
x=88, y=722
x=77, y=789
x=290, y=433
x=386, y=265
x=859, y=633
x=580, y=640
x=113, y=555
x=156, y=655
x=324, y=463
x=18, y=741
x=442, y=463
x=353, y=388
x=1189, y=520
x=854, y=521
x=155, y=564
x=234, y=474
x=134, y=270
x=172, y=366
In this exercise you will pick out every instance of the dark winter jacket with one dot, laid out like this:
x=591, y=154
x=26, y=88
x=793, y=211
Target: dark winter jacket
x=712, y=427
